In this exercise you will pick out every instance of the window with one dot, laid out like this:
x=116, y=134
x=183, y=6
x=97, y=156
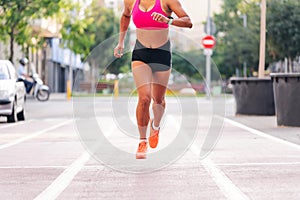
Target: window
x=4, y=74
x=12, y=71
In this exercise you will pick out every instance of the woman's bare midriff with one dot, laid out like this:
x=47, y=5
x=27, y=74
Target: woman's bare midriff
x=152, y=38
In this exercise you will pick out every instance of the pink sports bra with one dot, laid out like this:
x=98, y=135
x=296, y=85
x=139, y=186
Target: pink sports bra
x=144, y=20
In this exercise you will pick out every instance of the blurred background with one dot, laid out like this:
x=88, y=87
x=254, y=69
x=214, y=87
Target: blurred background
x=58, y=36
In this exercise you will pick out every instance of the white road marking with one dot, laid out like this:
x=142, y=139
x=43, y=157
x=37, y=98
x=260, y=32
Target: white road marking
x=28, y=137
x=64, y=179
x=101, y=166
x=34, y=167
x=226, y=186
x=262, y=134
x=49, y=167
x=15, y=124
x=259, y=164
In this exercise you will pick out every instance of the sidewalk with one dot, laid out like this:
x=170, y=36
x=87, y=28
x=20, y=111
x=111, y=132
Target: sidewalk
x=266, y=124
x=53, y=97
x=58, y=96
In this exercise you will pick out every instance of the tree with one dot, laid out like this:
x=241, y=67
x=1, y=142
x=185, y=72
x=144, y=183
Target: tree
x=236, y=43
x=78, y=32
x=16, y=16
x=189, y=63
x=283, y=22
x=84, y=34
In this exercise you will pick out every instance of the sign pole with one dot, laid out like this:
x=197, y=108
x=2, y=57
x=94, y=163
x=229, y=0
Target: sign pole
x=208, y=74
x=208, y=55
x=69, y=82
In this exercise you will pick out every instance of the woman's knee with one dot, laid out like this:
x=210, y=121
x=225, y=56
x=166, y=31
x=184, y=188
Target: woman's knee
x=145, y=100
x=159, y=101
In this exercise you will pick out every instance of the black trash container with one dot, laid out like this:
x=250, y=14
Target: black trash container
x=253, y=96
x=287, y=98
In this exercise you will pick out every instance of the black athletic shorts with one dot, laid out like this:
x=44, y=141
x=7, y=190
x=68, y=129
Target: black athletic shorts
x=159, y=59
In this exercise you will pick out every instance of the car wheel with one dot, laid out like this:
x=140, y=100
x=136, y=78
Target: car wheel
x=13, y=117
x=21, y=115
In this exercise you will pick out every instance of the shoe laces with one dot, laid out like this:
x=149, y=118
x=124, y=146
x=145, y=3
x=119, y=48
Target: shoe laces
x=142, y=146
x=155, y=133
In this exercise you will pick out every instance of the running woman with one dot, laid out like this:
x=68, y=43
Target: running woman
x=151, y=59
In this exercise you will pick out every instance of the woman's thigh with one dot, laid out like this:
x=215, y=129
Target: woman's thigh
x=142, y=75
x=159, y=84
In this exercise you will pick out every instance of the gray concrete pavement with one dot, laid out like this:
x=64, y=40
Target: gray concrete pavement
x=43, y=158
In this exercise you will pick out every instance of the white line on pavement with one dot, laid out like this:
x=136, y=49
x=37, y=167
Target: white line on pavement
x=262, y=134
x=50, y=167
x=64, y=179
x=28, y=137
x=15, y=124
x=34, y=167
x=230, y=191
x=226, y=186
x=259, y=164
x=101, y=166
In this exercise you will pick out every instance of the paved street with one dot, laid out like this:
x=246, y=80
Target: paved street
x=44, y=157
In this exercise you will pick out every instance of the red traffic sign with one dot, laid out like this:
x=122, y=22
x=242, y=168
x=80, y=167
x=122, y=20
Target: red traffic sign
x=208, y=42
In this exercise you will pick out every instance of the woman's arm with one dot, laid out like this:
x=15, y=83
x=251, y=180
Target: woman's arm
x=183, y=19
x=124, y=23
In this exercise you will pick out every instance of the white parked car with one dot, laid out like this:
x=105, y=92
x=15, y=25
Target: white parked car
x=12, y=93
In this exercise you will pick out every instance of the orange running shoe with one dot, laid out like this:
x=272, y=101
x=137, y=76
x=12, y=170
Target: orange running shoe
x=154, y=136
x=142, y=150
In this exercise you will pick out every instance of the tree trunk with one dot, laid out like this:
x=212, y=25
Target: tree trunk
x=44, y=58
x=290, y=65
x=93, y=81
x=286, y=65
x=12, y=40
x=27, y=56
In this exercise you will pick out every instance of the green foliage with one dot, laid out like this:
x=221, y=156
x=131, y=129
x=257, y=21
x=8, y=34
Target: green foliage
x=125, y=69
x=237, y=44
x=16, y=16
x=189, y=63
x=83, y=34
x=120, y=65
x=283, y=25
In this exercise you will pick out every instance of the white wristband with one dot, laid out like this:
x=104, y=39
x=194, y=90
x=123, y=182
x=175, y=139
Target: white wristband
x=170, y=21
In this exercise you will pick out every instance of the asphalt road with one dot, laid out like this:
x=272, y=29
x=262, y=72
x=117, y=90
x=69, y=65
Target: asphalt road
x=48, y=156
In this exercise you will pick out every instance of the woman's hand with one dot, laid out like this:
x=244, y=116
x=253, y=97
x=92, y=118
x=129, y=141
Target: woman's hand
x=118, y=51
x=159, y=17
